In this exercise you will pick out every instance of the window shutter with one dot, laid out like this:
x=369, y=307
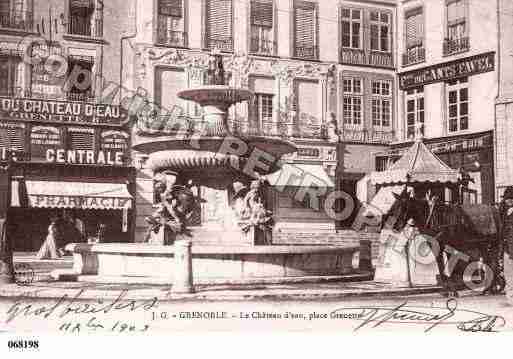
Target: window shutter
x=12, y=136
x=414, y=28
x=81, y=139
x=305, y=29
x=171, y=8
x=262, y=13
x=219, y=22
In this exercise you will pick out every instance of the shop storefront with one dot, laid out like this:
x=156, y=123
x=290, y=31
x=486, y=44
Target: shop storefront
x=70, y=163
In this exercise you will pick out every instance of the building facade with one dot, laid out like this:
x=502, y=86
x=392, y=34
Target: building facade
x=69, y=146
x=323, y=73
x=448, y=85
x=504, y=104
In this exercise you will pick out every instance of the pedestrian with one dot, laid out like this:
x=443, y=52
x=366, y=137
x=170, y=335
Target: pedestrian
x=507, y=235
x=49, y=249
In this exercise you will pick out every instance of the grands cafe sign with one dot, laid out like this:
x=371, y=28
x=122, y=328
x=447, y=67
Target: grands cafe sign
x=448, y=71
x=62, y=112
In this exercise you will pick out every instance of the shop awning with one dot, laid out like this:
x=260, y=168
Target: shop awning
x=300, y=175
x=82, y=195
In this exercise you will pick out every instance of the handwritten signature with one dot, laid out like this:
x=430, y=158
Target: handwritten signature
x=74, y=305
x=428, y=317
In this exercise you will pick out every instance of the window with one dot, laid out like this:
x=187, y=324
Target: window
x=456, y=19
x=85, y=18
x=219, y=25
x=352, y=102
x=10, y=74
x=264, y=107
x=81, y=139
x=308, y=108
x=305, y=30
x=414, y=112
x=171, y=23
x=414, y=37
x=381, y=103
x=457, y=32
x=262, y=30
x=380, y=31
x=351, y=28
x=14, y=15
x=82, y=90
x=457, y=102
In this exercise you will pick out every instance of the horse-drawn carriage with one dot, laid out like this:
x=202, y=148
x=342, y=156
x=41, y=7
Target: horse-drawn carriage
x=465, y=238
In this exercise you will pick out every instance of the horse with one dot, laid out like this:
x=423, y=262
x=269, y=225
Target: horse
x=469, y=229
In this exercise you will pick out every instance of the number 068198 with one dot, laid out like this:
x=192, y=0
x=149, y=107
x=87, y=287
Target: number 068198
x=23, y=344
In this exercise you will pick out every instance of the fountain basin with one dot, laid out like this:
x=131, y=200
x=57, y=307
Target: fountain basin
x=211, y=264
x=216, y=95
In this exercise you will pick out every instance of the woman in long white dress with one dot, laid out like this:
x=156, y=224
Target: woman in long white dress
x=407, y=258
x=49, y=248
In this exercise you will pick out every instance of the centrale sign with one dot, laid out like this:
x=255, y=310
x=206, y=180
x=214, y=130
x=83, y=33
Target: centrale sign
x=84, y=157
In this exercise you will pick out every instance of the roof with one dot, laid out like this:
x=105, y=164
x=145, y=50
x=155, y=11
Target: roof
x=418, y=164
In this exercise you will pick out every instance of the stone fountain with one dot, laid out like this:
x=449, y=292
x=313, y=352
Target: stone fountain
x=196, y=174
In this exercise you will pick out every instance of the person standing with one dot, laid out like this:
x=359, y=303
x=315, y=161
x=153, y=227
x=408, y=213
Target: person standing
x=49, y=249
x=507, y=236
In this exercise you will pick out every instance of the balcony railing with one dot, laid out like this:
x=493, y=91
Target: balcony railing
x=262, y=47
x=306, y=52
x=455, y=46
x=381, y=59
x=80, y=96
x=172, y=38
x=84, y=26
x=366, y=136
x=17, y=20
x=414, y=55
x=353, y=56
x=225, y=45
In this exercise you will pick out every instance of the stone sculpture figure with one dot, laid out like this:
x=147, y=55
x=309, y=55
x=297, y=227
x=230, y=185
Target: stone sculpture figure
x=176, y=206
x=250, y=209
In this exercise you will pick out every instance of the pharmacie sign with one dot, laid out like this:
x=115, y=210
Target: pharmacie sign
x=48, y=201
x=448, y=71
x=84, y=157
x=62, y=111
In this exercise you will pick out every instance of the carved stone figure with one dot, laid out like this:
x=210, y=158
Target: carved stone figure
x=250, y=208
x=176, y=206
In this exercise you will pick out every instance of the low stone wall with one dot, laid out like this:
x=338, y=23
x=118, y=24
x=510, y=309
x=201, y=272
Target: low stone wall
x=326, y=237
x=213, y=264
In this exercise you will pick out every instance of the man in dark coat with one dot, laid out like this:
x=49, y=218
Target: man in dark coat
x=507, y=233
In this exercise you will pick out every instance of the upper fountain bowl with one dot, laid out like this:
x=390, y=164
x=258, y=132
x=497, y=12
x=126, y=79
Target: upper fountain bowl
x=215, y=95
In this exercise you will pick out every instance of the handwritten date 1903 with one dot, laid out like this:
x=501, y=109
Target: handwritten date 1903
x=94, y=325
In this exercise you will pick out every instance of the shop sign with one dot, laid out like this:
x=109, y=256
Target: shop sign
x=45, y=136
x=84, y=157
x=114, y=141
x=448, y=71
x=308, y=152
x=50, y=201
x=62, y=111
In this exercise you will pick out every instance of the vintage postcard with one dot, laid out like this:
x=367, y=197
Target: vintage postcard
x=255, y=165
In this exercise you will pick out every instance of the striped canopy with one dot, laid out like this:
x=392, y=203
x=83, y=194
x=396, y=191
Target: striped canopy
x=418, y=164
